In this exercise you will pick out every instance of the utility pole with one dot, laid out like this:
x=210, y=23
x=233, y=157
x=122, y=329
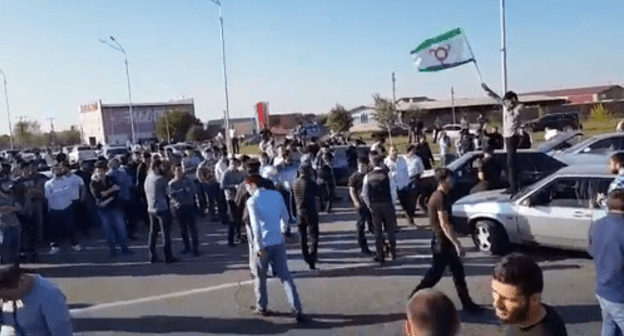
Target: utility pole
x=503, y=45
x=20, y=128
x=52, y=135
x=453, y=105
x=6, y=97
x=394, y=90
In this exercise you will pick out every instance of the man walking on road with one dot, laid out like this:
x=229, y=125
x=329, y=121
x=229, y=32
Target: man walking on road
x=305, y=191
x=517, y=287
x=269, y=220
x=511, y=132
x=379, y=194
x=446, y=248
x=606, y=246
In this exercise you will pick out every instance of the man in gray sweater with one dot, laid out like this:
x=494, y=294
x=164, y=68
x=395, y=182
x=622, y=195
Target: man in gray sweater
x=230, y=181
x=158, y=210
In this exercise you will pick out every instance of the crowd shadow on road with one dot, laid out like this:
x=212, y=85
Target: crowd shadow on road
x=210, y=325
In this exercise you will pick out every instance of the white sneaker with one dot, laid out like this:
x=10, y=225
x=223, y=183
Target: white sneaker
x=53, y=250
x=77, y=248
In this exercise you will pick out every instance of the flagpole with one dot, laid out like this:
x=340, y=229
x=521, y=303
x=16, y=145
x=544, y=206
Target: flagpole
x=503, y=45
x=474, y=60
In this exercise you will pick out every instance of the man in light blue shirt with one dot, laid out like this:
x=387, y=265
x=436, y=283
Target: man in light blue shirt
x=269, y=220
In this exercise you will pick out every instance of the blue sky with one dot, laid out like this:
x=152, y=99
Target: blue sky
x=300, y=56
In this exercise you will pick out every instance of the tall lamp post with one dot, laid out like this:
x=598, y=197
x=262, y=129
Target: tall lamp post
x=6, y=97
x=227, y=102
x=118, y=47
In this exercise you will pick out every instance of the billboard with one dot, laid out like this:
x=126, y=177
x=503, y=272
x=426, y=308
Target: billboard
x=262, y=113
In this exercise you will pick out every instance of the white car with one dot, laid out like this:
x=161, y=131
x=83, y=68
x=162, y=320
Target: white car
x=82, y=152
x=454, y=131
x=556, y=211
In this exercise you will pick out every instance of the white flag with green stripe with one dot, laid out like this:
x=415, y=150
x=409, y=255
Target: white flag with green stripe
x=444, y=51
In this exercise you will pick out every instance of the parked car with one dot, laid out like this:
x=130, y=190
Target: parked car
x=81, y=152
x=342, y=171
x=395, y=131
x=454, y=131
x=556, y=211
x=532, y=165
x=179, y=148
x=561, y=142
x=111, y=151
x=594, y=150
x=566, y=122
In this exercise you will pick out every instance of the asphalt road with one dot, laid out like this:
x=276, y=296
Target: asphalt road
x=348, y=295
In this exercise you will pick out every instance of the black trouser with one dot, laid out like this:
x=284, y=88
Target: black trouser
x=443, y=257
x=308, y=226
x=511, y=145
x=29, y=233
x=407, y=198
x=186, y=218
x=142, y=209
x=235, y=148
x=327, y=195
x=384, y=217
x=234, y=229
x=160, y=222
x=364, y=216
x=130, y=214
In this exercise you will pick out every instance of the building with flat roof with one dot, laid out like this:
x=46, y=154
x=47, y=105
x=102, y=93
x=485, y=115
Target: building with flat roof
x=110, y=123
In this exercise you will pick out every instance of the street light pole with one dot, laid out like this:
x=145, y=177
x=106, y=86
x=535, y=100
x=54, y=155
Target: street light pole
x=120, y=48
x=503, y=45
x=6, y=96
x=227, y=102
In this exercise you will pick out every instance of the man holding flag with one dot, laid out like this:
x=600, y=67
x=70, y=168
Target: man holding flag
x=451, y=49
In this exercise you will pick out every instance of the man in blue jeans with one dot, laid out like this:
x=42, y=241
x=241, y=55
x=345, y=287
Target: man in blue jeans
x=158, y=210
x=105, y=190
x=606, y=246
x=269, y=219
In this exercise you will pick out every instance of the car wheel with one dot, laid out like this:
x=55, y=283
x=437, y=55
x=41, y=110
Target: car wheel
x=490, y=237
x=568, y=128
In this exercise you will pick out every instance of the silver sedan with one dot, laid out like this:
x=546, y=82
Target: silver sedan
x=556, y=211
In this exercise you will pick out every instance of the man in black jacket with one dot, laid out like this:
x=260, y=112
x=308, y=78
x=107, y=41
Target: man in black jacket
x=305, y=192
x=379, y=194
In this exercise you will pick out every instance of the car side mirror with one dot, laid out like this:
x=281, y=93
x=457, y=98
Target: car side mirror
x=526, y=203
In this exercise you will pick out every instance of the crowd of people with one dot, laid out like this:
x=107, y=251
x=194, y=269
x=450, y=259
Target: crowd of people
x=259, y=200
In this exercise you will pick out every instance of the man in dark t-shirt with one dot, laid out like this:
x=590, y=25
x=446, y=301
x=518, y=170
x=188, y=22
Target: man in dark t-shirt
x=517, y=286
x=364, y=216
x=446, y=248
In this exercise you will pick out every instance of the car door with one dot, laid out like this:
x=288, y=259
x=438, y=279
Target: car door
x=597, y=191
x=557, y=214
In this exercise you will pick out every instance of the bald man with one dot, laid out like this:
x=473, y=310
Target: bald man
x=431, y=313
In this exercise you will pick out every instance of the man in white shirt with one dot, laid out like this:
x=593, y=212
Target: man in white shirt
x=234, y=140
x=60, y=194
x=398, y=171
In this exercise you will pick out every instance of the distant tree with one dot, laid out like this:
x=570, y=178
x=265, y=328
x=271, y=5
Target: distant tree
x=339, y=120
x=28, y=133
x=68, y=137
x=5, y=141
x=178, y=122
x=600, y=114
x=196, y=133
x=385, y=113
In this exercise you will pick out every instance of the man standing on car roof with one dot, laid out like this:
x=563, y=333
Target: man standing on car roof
x=511, y=131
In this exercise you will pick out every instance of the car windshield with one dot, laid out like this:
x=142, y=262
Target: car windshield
x=115, y=151
x=84, y=148
x=528, y=189
x=579, y=145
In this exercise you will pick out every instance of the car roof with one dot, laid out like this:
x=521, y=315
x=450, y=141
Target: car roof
x=595, y=169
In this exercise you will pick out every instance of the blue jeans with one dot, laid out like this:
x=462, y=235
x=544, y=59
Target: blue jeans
x=612, y=317
x=276, y=255
x=114, y=227
x=10, y=245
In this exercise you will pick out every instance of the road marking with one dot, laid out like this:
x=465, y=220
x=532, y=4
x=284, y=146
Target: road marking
x=78, y=311
x=175, y=295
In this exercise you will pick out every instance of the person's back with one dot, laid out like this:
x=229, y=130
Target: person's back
x=304, y=192
x=269, y=212
x=155, y=192
x=379, y=186
x=607, y=249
